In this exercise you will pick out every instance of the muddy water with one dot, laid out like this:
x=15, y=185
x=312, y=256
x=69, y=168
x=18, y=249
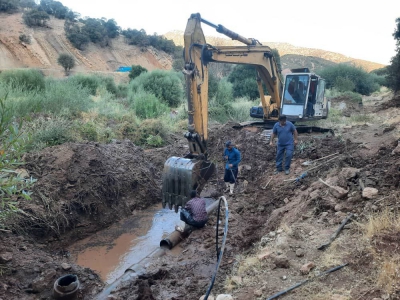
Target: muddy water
x=111, y=251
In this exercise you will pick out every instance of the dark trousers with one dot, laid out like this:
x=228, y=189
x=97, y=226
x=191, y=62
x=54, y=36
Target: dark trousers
x=288, y=158
x=230, y=175
x=188, y=219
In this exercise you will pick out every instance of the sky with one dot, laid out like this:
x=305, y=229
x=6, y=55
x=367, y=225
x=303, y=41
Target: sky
x=355, y=28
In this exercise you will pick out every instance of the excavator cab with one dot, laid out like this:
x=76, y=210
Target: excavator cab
x=303, y=96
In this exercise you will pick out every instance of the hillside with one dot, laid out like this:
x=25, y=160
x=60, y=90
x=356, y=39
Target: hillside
x=291, y=56
x=48, y=43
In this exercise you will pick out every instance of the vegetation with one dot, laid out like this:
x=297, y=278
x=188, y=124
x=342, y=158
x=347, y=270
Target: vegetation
x=23, y=79
x=344, y=77
x=393, y=70
x=165, y=85
x=36, y=17
x=142, y=39
x=136, y=71
x=66, y=61
x=243, y=78
x=23, y=38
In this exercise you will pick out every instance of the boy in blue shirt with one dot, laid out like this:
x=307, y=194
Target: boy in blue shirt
x=287, y=139
x=232, y=157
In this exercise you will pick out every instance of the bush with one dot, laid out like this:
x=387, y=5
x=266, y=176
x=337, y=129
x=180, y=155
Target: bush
x=50, y=132
x=67, y=61
x=63, y=95
x=149, y=130
x=8, y=6
x=146, y=105
x=221, y=106
x=350, y=78
x=165, y=85
x=88, y=131
x=243, y=78
x=86, y=81
x=23, y=38
x=109, y=84
x=25, y=79
x=35, y=17
x=136, y=71
x=393, y=78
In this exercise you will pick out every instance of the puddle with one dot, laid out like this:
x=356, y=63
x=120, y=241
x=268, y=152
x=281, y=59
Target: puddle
x=111, y=251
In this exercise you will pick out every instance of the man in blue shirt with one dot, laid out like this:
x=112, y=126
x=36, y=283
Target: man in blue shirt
x=287, y=138
x=232, y=157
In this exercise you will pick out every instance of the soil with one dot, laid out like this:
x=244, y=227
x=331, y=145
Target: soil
x=83, y=188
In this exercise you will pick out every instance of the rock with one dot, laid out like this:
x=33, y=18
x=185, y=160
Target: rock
x=224, y=297
x=264, y=254
x=272, y=234
x=65, y=266
x=258, y=293
x=305, y=269
x=22, y=173
x=338, y=297
x=338, y=207
x=299, y=252
x=6, y=257
x=281, y=261
x=210, y=297
x=349, y=173
x=23, y=248
x=281, y=242
x=369, y=193
x=44, y=280
x=314, y=195
x=113, y=297
x=91, y=277
x=396, y=150
x=324, y=214
x=284, y=277
x=237, y=280
x=286, y=200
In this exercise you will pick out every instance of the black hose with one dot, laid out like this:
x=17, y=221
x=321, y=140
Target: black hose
x=305, y=281
x=220, y=251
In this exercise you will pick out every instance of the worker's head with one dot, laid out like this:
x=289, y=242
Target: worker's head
x=282, y=120
x=229, y=145
x=193, y=194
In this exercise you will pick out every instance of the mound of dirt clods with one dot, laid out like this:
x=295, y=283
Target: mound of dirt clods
x=87, y=186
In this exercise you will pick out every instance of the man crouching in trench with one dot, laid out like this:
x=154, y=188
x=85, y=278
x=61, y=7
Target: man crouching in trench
x=194, y=213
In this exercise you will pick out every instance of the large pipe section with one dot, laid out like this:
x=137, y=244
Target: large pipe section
x=139, y=268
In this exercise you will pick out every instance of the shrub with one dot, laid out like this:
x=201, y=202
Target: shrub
x=36, y=17
x=64, y=95
x=146, y=105
x=221, y=106
x=136, y=71
x=343, y=74
x=148, y=130
x=67, y=61
x=122, y=91
x=87, y=81
x=243, y=78
x=23, y=38
x=50, y=132
x=165, y=85
x=29, y=79
x=109, y=84
x=8, y=6
x=88, y=131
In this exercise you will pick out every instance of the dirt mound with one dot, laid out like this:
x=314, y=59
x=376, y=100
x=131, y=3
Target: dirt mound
x=87, y=186
x=28, y=270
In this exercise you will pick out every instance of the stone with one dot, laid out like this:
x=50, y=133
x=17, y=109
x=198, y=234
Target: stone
x=349, y=173
x=224, y=297
x=91, y=277
x=210, y=297
x=22, y=173
x=281, y=261
x=23, y=248
x=6, y=257
x=44, y=280
x=369, y=193
x=272, y=234
x=314, y=195
x=113, y=297
x=324, y=214
x=338, y=207
x=282, y=242
x=286, y=200
x=306, y=268
x=237, y=280
x=396, y=150
x=65, y=266
x=284, y=277
x=299, y=252
x=338, y=297
x=264, y=254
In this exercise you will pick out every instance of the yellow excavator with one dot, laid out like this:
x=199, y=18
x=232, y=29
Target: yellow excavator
x=300, y=98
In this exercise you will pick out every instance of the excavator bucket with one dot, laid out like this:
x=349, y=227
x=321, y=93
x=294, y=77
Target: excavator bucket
x=182, y=175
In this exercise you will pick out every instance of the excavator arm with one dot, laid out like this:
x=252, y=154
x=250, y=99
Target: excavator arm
x=183, y=174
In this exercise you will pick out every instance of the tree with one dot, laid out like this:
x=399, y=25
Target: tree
x=36, y=17
x=9, y=6
x=136, y=71
x=66, y=61
x=243, y=78
x=393, y=76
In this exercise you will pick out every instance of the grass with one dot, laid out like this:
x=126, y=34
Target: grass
x=389, y=274
x=383, y=222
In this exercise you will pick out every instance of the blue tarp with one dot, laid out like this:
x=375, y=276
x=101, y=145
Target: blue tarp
x=124, y=69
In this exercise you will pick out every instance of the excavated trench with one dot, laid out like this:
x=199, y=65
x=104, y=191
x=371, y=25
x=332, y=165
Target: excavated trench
x=111, y=251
